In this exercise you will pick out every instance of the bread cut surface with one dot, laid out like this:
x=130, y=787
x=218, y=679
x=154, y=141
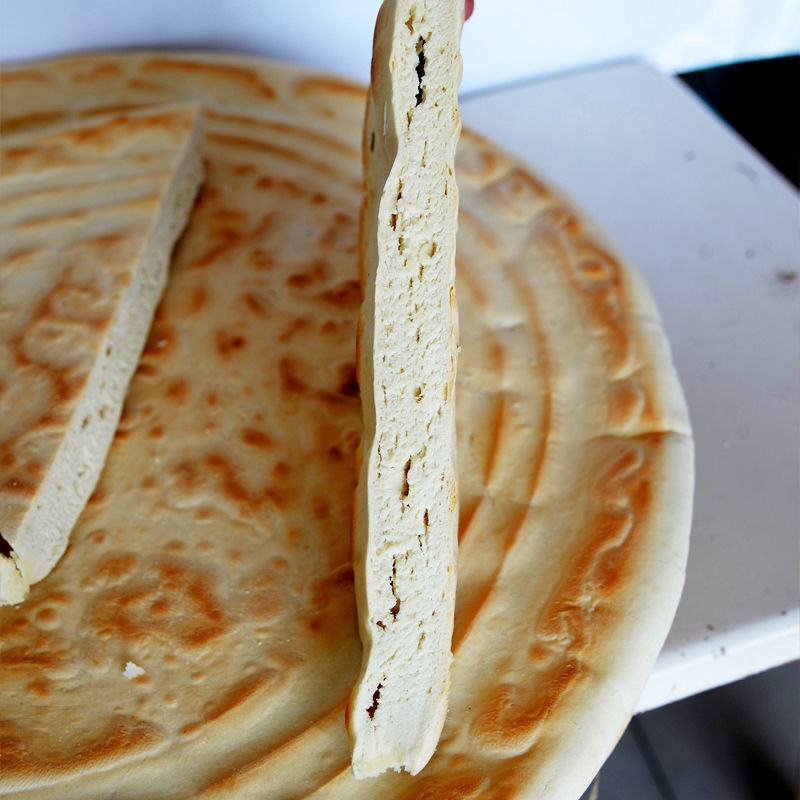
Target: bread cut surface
x=89, y=213
x=215, y=553
x=406, y=515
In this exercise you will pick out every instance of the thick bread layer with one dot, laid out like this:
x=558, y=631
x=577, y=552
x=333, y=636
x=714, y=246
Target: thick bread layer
x=70, y=444
x=407, y=508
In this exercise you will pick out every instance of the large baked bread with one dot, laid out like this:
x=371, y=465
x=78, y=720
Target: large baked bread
x=89, y=213
x=215, y=553
x=406, y=510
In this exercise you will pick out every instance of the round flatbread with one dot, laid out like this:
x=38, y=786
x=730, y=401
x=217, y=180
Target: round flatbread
x=199, y=636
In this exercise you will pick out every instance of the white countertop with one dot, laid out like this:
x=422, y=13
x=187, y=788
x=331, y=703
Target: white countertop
x=716, y=233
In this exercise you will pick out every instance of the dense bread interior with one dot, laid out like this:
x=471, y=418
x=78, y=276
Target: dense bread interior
x=406, y=529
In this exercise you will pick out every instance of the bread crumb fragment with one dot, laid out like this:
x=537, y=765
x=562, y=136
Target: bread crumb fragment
x=132, y=670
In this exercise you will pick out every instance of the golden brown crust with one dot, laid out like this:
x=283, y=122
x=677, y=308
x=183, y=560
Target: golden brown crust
x=235, y=596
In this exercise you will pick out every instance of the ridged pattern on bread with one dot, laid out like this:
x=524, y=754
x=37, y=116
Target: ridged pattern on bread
x=406, y=505
x=88, y=217
x=215, y=552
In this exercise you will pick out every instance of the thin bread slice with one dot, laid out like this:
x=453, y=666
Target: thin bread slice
x=406, y=513
x=89, y=214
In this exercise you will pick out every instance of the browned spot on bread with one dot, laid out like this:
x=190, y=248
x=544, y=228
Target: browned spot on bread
x=346, y=295
x=348, y=382
x=98, y=497
x=241, y=693
x=497, y=428
x=538, y=652
x=290, y=382
x=281, y=470
x=98, y=537
x=103, y=242
x=112, y=569
x=242, y=77
x=48, y=219
x=38, y=118
x=294, y=131
x=340, y=234
x=228, y=481
x=331, y=600
x=127, y=612
x=329, y=326
x=257, y=438
x=20, y=258
x=627, y=403
x=320, y=508
x=160, y=341
x=206, y=196
x=315, y=272
x=106, y=69
x=290, y=187
x=254, y=303
x=596, y=278
x=111, y=108
x=229, y=343
x=19, y=486
x=156, y=432
x=234, y=215
x=466, y=515
x=245, y=142
x=177, y=391
x=306, y=87
x=141, y=85
x=261, y=260
x=295, y=326
x=511, y=715
x=471, y=603
x=470, y=786
x=24, y=75
x=46, y=618
x=231, y=236
x=197, y=300
x=620, y=500
x=145, y=371
x=41, y=687
x=335, y=453
x=231, y=782
x=25, y=657
x=59, y=597
x=123, y=735
x=187, y=476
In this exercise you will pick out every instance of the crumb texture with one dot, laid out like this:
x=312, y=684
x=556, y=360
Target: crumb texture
x=405, y=537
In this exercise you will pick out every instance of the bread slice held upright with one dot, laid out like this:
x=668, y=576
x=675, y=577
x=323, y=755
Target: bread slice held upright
x=406, y=517
x=89, y=214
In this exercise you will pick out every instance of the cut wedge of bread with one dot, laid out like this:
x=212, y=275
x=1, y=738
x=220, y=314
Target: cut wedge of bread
x=89, y=214
x=406, y=514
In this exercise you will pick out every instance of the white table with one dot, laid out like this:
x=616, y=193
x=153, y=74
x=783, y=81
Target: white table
x=716, y=232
